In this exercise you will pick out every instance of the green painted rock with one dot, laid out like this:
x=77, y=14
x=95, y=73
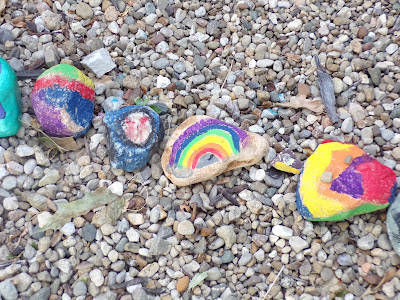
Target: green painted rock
x=10, y=100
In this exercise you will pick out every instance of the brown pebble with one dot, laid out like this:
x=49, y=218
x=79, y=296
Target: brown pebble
x=372, y=279
x=278, y=148
x=206, y=231
x=303, y=89
x=362, y=32
x=182, y=284
x=367, y=46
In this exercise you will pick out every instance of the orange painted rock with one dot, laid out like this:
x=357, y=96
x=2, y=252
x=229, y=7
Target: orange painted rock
x=202, y=148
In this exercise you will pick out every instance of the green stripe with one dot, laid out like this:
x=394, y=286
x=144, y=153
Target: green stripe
x=362, y=209
x=64, y=70
x=217, y=132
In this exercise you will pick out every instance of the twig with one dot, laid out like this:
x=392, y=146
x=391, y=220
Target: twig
x=276, y=278
x=130, y=282
x=229, y=72
x=194, y=212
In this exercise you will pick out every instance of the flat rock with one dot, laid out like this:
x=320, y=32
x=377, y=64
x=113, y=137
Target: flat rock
x=63, y=101
x=358, y=186
x=202, y=148
x=99, y=62
x=10, y=100
x=287, y=161
x=393, y=224
x=134, y=133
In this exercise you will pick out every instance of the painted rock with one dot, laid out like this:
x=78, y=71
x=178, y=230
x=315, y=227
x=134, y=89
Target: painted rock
x=287, y=161
x=393, y=224
x=63, y=101
x=10, y=100
x=134, y=133
x=340, y=180
x=202, y=148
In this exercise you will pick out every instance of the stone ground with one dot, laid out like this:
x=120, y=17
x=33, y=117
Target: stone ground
x=205, y=56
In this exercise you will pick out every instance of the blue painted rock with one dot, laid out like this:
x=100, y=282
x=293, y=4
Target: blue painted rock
x=63, y=101
x=287, y=161
x=340, y=180
x=134, y=133
x=112, y=103
x=202, y=148
x=393, y=224
x=10, y=100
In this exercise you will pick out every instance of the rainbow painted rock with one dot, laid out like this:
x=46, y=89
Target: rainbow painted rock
x=134, y=132
x=10, y=100
x=340, y=180
x=63, y=101
x=202, y=148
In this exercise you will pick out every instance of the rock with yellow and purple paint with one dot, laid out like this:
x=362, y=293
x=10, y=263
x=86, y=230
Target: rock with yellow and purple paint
x=202, y=148
x=63, y=101
x=10, y=100
x=340, y=180
x=287, y=161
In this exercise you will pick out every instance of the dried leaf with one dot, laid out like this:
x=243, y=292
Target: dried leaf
x=293, y=57
x=300, y=101
x=327, y=91
x=60, y=144
x=372, y=279
x=66, y=211
x=388, y=276
x=110, y=213
x=3, y=4
x=31, y=26
x=199, y=277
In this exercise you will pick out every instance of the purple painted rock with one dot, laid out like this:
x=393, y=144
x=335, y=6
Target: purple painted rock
x=287, y=161
x=63, y=101
x=202, y=148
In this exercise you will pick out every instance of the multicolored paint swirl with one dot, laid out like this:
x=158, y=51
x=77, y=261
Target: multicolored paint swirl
x=63, y=100
x=359, y=186
x=206, y=142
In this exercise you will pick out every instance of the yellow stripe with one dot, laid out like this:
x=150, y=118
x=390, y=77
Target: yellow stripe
x=85, y=80
x=207, y=140
x=319, y=205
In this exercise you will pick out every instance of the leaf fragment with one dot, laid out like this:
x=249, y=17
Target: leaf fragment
x=66, y=211
x=199, y=277
x=300, y=101
x=110, y=213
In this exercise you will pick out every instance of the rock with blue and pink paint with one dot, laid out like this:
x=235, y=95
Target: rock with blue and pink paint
x=10, y=100
x=63, y=101
x=202, y=148
x=133, y=135
x=340, y=180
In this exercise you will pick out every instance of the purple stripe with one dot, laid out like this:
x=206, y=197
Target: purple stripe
x=196, y=127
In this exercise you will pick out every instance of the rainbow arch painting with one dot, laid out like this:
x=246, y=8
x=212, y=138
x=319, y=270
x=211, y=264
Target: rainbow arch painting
x=207, y=147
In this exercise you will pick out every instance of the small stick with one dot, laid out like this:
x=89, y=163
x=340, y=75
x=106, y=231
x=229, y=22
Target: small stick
x=229, y=72
x=194, y=212
x=276, y=278
x=129, y=283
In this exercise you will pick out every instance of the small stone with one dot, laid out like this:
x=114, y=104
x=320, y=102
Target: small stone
x=295, y=25
x=159, y=247
x=228, y=234
x=214, y=274
x=186, y=228
x=134, y=135
x=89, y=232
x=327, y=177
x=24, y=151
x=135, y=219
x=96, y=277
x=8, y=290
x=298, y=244
x=80, y=289
x=282, y=232
x=84, y=11
x=183, y=169
x=50, y=178
x=99, y=62
x=182, y=284
x=162, y=82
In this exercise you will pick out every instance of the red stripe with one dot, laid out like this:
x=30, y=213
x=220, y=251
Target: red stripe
x=46, y=82
x=204, y=151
